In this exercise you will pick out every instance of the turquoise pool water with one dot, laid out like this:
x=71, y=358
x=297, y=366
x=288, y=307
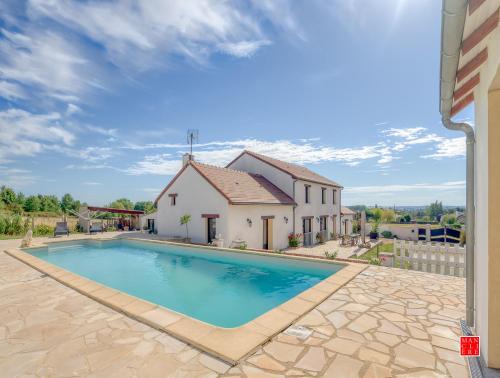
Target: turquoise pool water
x=226, y=289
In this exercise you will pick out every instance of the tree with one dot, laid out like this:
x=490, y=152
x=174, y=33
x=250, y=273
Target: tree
x=406, y=218
x=49, y=203
x=32, y=203
x=122, y=204
x=449, y=219
x=67, y=202
x=388, y=216
x=146, y=206
x=435, y=210
x=185, y=219
x=376, y=214
x=7, y=195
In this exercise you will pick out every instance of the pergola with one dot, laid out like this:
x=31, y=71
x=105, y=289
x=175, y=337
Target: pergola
x=129, y=218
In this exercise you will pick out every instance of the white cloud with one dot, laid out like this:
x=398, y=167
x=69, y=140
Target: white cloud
x=11, y=91
x=243, y=49
x=16, y=177
x=46, y=61
x=161, y=164
x=134, y=34
x=92, y=183
x=448, y=148
x=407, y=134
x=26, y=134
x=73, y=109
x=398, y=188
x=44, y=50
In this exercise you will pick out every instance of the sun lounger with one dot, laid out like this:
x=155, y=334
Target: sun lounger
x=61, y=229
x=96, y=228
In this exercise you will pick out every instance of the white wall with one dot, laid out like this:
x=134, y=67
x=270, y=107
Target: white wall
x=239, y=229
x=487, y=73
x=195, y=197
x=248, y=163
x=143, y=220
x=315, y=208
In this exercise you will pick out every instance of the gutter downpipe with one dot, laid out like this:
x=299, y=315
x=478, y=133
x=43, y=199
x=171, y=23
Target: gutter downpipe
x=452, y=28
x=470, y=216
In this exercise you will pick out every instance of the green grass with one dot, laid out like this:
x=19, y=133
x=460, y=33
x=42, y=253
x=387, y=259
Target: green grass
x=371, y=253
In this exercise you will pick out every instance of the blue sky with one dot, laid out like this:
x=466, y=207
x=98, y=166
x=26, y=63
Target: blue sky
x=96, y=96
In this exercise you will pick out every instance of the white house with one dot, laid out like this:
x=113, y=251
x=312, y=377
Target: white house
x=470, y=73
x=256, y=199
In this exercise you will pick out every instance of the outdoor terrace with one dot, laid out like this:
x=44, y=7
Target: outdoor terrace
x=385, y=322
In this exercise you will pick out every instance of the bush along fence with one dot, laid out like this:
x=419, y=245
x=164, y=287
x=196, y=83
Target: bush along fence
x=443, y=258
x=18, y=225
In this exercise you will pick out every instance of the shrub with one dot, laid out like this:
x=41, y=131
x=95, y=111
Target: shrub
x=242, y=246
x=294, y=240
x=374, y=261
x=387, y=234
x=331, y=255
x=13, y=224
x=43, y=230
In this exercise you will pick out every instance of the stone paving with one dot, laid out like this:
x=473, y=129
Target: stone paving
x=385, y=322
x=318, y=250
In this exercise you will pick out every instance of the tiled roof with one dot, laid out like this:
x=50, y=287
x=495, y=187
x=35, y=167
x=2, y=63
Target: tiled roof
x=296, y=171
x=347, y=211
x=242, y=187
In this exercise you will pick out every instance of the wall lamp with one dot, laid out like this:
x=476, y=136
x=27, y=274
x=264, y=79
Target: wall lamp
x=285, y=219
x=249, y=221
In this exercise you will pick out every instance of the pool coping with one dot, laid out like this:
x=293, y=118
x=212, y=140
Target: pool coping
x=227, y=344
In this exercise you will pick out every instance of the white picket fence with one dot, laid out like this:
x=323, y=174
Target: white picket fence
x=440, y=258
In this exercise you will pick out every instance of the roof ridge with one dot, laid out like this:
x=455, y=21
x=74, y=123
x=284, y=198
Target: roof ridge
x=217, y=167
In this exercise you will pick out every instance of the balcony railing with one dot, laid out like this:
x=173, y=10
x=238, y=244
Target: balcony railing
x=308, y=239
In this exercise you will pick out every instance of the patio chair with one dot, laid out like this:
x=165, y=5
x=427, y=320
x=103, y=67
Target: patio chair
x=61, y=229
x=95, y=228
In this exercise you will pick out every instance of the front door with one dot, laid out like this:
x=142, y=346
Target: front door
x=211, y=229
x=307, y=231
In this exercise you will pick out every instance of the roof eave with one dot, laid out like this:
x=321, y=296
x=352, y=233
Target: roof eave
x=452, y=27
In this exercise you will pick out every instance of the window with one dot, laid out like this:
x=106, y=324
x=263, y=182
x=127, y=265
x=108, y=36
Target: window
x=173, y=198
x=308, y=191
x=322, y=223
x=334, y=196
x=323, y=195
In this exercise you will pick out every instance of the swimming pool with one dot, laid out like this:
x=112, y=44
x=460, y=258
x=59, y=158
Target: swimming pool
x=222, y=288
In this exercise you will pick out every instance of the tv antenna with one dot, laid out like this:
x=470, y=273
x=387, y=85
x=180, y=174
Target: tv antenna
x=192, y=137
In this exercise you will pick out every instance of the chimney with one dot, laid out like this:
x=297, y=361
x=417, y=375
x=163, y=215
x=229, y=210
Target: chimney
x=186, y=158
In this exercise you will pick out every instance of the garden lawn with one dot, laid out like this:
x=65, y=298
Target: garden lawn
x=372, y=253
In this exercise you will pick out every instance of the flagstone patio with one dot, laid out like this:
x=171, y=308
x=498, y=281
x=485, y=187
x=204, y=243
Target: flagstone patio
x=385, y=322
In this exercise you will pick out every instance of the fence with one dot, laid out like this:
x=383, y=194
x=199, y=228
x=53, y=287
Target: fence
x=444, y=258
x=441, y=235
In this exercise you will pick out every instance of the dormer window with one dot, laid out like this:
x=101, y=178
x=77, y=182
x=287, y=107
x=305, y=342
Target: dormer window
x=323, y=195
x=173, y=197
x=307, y=193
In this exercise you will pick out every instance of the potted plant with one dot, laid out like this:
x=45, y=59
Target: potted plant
x=374, y=231
x=184, y=220
x=294, y=240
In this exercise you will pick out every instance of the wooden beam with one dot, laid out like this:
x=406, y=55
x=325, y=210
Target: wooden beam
x=473, y=64
x=480, y=33
x=467, y=87
x=474, y=5
x=462, y=103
